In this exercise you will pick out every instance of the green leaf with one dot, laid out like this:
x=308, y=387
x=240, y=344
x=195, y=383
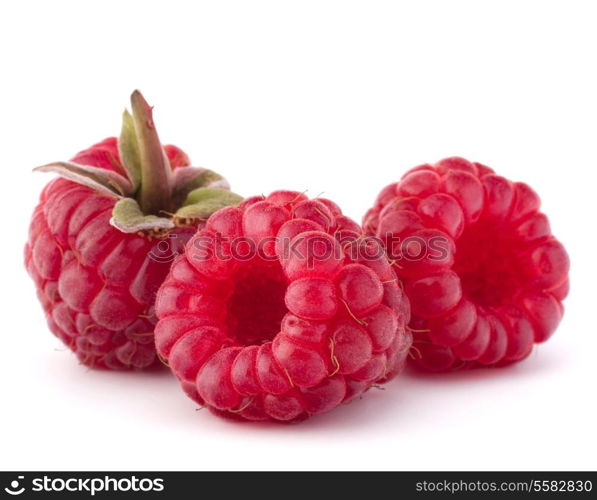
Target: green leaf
x=187, y=179
x=203, y=202
x=128, y=218
x=100, y=179
x=128, y=147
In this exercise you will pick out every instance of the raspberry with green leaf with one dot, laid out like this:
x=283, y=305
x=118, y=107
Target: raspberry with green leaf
x=104, y=234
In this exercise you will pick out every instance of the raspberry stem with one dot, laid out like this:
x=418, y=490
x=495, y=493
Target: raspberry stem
x=156, y=184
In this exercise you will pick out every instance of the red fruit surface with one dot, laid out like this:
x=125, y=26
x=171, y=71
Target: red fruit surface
x=484, y=275
x=299, y=326
x=96, y=284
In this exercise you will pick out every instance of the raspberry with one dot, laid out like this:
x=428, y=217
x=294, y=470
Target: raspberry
x=484, y=275
x=97, y=257
x=272, y=313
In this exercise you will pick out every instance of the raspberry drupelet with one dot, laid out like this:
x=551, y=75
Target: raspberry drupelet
x=484, y=275
x=102, y=239
x=280, y=309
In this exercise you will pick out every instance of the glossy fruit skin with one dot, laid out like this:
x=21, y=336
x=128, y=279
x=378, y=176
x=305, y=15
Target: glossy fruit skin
x=96, y=284
x=280, y=337
x=495, y=286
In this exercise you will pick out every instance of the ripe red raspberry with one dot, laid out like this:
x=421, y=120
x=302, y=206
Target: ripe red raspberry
x=484, y=274
x=100, y=246
x=280, y=309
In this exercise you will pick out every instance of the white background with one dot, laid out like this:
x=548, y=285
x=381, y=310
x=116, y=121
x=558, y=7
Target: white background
x=331, y=97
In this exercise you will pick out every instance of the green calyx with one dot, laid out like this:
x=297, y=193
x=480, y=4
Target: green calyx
x=151, y=195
